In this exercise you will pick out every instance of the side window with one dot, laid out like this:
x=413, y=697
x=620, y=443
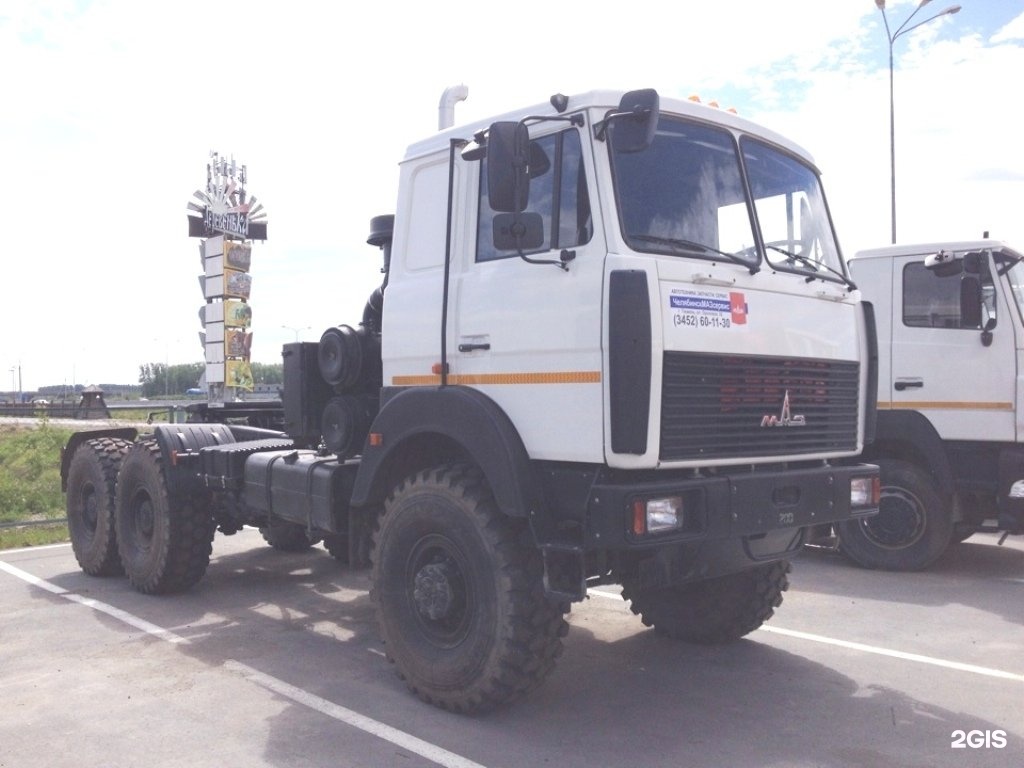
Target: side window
x=933, y=301
x=558, y=192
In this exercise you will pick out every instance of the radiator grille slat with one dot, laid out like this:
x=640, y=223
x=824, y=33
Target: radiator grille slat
x=733, y=406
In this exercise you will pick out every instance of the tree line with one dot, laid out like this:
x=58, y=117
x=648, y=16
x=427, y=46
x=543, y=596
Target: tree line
x=161, y=379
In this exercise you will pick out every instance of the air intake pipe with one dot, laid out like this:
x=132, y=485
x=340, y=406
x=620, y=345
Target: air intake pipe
x=382, y=230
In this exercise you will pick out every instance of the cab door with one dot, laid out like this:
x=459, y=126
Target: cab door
x=528, y=332
x=941, y=365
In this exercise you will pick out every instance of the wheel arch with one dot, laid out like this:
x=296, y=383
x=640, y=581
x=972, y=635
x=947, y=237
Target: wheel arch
x=423, y=426
x=910, y=436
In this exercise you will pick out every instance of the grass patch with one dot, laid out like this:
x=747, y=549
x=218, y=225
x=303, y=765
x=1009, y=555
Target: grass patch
x=34, y=536
x=30, y=483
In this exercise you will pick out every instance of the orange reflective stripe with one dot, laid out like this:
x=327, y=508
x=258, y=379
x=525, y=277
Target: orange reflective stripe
x=944, y=405
x=541, y=377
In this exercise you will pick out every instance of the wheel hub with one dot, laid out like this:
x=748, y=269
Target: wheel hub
x=90, y=511
x=432, y=591
x=144, y=518
x=900, y=521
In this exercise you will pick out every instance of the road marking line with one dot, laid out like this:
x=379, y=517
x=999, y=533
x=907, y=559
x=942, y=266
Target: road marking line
x=988, y=672
x=897, y=654
x=350, y=717
x=37, y=548
x=362, y=722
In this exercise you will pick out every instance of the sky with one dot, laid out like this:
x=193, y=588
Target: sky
x=109, y=111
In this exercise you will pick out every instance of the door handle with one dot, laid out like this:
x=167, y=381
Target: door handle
x=473, y=347
x=901, y=385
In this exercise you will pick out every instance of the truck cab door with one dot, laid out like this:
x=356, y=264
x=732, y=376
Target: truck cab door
x=526, y=331
x=942, y=364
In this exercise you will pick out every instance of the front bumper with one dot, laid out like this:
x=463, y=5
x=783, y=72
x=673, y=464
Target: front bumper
x=731, y=520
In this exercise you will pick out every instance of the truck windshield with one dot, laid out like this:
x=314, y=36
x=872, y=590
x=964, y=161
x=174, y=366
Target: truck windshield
x=685, y=196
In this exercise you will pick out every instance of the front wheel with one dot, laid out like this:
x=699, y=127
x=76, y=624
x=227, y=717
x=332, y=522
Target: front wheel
x=459, y=593
x=913, y=526
x=712, y=611
x=164, y=541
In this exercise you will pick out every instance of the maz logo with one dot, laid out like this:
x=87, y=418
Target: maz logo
x=784, y=419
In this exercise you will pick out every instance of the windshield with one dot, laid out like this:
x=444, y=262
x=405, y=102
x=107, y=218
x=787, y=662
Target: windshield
x=791, y=211
x=685, y=196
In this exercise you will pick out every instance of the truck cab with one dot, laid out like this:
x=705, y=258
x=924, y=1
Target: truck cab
x=949, y=318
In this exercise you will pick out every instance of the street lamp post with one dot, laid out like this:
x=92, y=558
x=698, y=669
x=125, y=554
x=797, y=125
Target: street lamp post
x=891, y=37
x=297, y=331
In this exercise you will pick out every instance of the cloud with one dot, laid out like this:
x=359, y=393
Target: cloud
x=1014, y=30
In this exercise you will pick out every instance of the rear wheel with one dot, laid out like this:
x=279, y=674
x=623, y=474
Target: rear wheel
x=459, y=594
x=913, y=526
x=91, y=484
x=164, y=541
x=712, y=611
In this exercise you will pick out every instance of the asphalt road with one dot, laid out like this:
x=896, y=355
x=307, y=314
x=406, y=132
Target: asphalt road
x=273, y=660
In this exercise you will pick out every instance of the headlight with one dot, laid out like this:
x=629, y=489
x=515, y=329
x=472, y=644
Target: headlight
x=657, y=515
x=865, y=491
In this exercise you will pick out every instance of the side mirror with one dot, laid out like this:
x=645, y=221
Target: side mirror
x=633, y=125
x=970, y=302
x=944, y=264
x=973, y=262
x=518, y=231
x=508, y=166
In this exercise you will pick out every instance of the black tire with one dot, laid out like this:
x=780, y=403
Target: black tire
x=164, y=541
x=913, y=526
x=92, y=484
x=712, y=611
x=287, y=537
x=337, y=545
x=962, y=532
x=458, y=588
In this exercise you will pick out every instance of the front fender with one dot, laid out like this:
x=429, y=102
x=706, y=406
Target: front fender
x=455, y=415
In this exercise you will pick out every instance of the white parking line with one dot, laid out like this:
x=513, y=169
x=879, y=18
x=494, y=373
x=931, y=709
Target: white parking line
x=350, y=717
x=37, y=548
x=915, y=657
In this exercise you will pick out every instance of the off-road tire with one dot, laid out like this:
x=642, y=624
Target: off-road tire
x=913, y=526
x=458, y=590
x=92, y=485
x=712, y=611
x=164, y=541
x=287, y=537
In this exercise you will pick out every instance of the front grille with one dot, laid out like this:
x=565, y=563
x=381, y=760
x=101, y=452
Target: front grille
x=732, y=406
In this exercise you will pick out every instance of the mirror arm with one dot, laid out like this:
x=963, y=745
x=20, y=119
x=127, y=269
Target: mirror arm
x=576, y=119
x=601, y=126
x=563, y=265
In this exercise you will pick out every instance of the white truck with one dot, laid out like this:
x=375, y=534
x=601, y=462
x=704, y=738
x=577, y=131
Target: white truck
x=949, y=433
x=615, y=344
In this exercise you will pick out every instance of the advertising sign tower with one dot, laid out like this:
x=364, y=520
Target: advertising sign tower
x=228, y=220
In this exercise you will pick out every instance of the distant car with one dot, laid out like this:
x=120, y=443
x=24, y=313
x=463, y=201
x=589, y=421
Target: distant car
x=40, y=401
x=193, y=391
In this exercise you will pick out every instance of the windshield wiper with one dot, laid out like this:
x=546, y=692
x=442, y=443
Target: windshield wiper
x=815, y=265
x=690, y=246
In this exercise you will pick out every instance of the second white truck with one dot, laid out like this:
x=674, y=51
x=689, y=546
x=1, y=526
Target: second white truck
x=950, y=320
